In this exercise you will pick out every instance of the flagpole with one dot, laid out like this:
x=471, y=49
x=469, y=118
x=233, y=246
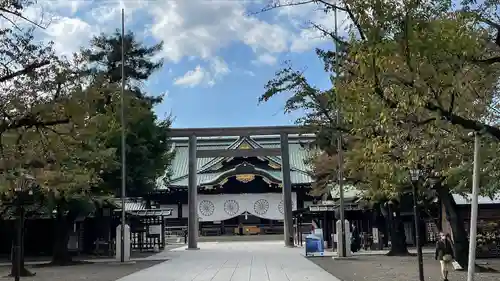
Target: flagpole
x=123, y=144
x=342, y=251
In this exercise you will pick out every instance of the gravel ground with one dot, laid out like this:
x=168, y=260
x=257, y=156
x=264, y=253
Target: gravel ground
x=87, y=272
x=383, y=268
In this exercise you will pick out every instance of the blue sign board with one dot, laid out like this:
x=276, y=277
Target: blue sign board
x=315, y=244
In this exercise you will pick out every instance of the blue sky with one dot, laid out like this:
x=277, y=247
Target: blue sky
x=218, y=56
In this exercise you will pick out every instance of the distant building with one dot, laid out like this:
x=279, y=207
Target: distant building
x=236, y=191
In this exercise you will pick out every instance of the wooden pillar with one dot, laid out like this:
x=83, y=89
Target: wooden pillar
x=287, y=191
x=162, y=235
x=179, y=210
x=192, y=196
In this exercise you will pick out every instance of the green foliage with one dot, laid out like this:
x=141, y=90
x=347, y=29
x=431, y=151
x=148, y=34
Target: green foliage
x=148, y=153
x=319, y=106
x=105, y=57
x=411, y=77
x=48, y=121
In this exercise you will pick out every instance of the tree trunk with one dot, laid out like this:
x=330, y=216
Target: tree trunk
x=23, y=271
x=456, y=221
x=397, y=230
x=60, y=254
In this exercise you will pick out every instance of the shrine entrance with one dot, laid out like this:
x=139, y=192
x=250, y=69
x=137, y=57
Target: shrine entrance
x=195, y=153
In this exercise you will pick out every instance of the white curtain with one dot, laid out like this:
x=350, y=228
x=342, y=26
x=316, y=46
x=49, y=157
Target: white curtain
x=225, y=206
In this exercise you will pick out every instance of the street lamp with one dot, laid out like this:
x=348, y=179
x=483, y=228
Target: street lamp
x=23, y=192
x=415, y=179
x=474, y=208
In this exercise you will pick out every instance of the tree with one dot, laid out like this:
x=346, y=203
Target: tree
x=59, y=135
x=405, y=63
x=148, y=152
x=48, y=123
x=105, y=57
x=321, y=109
x=413, y=26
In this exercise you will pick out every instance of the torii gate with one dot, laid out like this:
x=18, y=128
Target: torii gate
x=283, y=151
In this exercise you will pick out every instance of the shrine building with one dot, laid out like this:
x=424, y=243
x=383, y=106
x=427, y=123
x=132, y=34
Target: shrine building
x=235, y=191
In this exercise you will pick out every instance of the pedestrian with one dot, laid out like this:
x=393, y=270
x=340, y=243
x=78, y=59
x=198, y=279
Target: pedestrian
x=355, y=239
x=445, y=254
x=185, y=236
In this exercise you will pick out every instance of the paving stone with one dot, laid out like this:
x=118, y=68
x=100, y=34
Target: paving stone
x=235, y=261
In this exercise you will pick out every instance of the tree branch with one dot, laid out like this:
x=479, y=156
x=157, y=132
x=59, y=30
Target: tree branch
x=277, y=4
x=330, y=5
x=487, y=61
x=355, y=22
x=464, y=122
x=31, y=121
x=378, y=89
x=24, y=71
x=17, y=14
x=330, y=34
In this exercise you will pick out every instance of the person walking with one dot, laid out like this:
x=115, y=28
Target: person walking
x=445, y=254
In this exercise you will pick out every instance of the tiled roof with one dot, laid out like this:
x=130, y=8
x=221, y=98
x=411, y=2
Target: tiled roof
x=131, y=204
x=179, y=167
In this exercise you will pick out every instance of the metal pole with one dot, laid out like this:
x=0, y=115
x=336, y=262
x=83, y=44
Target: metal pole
x=300, y=230
x=474, y=211
x=417, y=233
x=192, y=196
x=287, y=190
x=342, y=240
x=124, y=172
x=19, y=234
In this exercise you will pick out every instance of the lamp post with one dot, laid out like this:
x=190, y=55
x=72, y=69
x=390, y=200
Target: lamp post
x=474, y=209
x=23, y=192
x=415, y=179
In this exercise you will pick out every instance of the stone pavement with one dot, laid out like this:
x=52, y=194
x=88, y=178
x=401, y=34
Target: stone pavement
x=234, y=261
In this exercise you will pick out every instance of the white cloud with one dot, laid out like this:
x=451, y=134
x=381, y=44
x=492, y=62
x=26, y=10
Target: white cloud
x=217, y=69
x=72, y=6
x=249, y=73
x=266, y=59
x=70, y=34
x=197, y=30
x=201, y=28
x=191, y=78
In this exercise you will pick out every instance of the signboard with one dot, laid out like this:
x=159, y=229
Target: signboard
x=154, y=230
x=375, y=235
x=315, y=243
